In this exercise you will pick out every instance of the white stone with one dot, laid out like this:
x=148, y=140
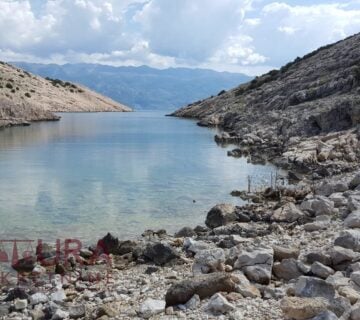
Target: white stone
x=20, y=304
x=151, y=307
x=38, y=297
x=219, y=305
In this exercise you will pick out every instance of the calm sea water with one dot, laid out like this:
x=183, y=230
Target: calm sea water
x=92, y=173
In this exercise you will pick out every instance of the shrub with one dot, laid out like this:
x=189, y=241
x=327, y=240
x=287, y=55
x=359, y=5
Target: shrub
x=32, y=90
x=9, y=85
x=28, y=95
x=221, y=92
x=13, y=91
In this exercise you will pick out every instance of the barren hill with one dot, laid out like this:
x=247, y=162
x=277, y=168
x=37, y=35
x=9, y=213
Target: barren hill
x=305, y=114
x=25, y=97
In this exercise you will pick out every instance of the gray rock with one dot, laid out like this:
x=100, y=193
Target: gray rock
x=256, y=264
x=355, y=312
x=221, y=215
x=193, y=303
x=77, y=311
x=58, y=296
x=185, y=232
x=4, y=310
x=207, y=261
x=340, y=255
x=193, y=246
x=281, y=253
x=354, y=202
x=319, y=256
x=60, y=315
x=349, y=239
x=20, y=304
x=38, y=297
x=204, y=286
x=218, y=305
x=338, y=199
x=160, y=253
x=287, y=213
x=326, y=315
x=355, y=277
x=244, y=287
x=320, y=270
x=318, y=206
x=327, y=188
x=353, y=220
x=355, y=182
x=301, y=308
x=338, y=280
x=287, y=269
x=151, y=307
x=311, y=287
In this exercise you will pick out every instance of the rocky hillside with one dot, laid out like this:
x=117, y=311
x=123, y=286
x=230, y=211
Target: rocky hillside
x=25, y=97
x=292, y=113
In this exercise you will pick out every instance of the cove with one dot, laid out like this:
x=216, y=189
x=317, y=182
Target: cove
x=93, y=173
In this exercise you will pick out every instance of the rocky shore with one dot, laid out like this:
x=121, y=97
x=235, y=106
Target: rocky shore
x=292, y=252
x=295, y=254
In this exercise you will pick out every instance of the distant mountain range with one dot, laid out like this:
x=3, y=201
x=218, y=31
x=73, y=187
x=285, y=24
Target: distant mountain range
x=142, y=88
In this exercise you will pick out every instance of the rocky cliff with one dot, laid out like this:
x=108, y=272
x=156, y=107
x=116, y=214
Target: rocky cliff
x=25, y=97
x=305, y=113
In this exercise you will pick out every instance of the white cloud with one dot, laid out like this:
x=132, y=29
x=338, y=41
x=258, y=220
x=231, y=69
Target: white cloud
x=233, y=35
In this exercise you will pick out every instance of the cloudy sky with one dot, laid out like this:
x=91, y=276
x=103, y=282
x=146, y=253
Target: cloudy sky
x=248, y=36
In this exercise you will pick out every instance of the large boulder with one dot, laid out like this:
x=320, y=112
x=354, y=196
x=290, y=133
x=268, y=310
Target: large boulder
x=349, y=239
x=320, y=270
x=302, y=308
x=287, y=213
x=160, y=253
x=256, y=264
x=311, y=287
x=221, y=215
x=341, y=256
x=204, y=286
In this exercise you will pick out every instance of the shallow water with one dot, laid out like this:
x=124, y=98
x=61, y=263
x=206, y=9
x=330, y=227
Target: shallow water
x=92, y=173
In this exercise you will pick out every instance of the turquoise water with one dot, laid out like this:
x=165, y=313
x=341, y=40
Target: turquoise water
x=92, y=173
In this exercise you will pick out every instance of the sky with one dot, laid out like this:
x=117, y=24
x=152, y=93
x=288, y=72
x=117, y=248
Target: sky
x=247, y=36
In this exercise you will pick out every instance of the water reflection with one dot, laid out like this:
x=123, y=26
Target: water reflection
x=93, y=173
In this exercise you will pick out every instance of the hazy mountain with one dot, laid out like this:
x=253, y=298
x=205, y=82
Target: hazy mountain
x=142, y=87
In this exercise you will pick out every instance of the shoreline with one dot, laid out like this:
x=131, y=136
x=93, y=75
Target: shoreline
x=291, y=226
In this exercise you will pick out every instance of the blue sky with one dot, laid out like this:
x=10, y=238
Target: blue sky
x=250, y=36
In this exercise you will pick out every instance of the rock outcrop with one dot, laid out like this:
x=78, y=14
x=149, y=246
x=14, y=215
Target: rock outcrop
x=306, y=114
